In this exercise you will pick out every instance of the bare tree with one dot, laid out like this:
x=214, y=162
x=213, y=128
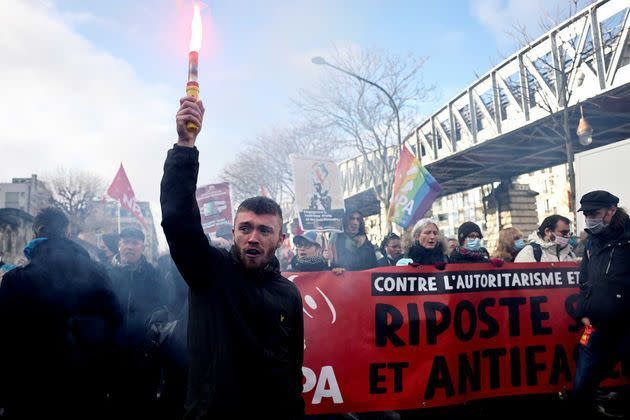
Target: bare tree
x=362, y=116
x=75, y=192
x=265, y=161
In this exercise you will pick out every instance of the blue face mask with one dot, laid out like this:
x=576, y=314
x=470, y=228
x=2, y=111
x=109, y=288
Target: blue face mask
x=519, y=244
x=573, y=242
x=28, y=249
x=473, y=244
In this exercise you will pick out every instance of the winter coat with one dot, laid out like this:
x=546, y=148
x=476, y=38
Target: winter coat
x=605, y=279
x=245, y=328
x=58, y=318
x=461, y=255
x=351, y=257
x=426, y=256
x=550, y=251
x=140, y=290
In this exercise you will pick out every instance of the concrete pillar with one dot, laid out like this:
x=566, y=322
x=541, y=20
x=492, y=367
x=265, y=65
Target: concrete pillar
x=510, y=205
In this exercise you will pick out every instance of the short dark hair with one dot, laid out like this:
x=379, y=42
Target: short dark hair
x=551, y=222
x=50, y=222
x=261, y=205
x=389, y=237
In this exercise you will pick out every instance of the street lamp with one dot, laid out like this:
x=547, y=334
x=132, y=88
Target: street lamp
x=584, y=130
x=321, y=61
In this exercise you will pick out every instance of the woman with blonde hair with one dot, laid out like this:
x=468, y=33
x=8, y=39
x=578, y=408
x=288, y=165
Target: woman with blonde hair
x=509, y=245
x=427, y=248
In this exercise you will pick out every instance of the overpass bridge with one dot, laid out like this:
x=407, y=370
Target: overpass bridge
x=506, y=122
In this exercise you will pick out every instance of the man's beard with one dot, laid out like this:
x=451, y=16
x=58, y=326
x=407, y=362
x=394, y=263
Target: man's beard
x=263, y=259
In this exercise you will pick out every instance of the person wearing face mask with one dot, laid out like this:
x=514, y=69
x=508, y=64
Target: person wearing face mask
x=604, y=301
x=510, y=244
x=427, y=248
x=550, y=243
x=469, y=249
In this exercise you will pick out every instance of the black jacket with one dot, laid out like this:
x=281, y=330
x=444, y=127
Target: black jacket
x=605, y=279
x=461, y=255
x=353, y=258
x=245, y=330
x=141, y=294
x=58, y=320
x=425, y=256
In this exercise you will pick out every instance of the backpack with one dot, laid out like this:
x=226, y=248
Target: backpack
x=537, y=251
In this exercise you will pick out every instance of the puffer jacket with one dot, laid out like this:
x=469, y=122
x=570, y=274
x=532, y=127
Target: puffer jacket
x=550, y=251
x=605, y=279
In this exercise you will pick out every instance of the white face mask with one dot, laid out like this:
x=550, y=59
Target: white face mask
x=595, y=226
x=561, y=241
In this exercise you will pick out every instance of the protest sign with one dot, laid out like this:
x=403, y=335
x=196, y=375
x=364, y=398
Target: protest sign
x=318, y=194
x=403, y=338
x=215, y=206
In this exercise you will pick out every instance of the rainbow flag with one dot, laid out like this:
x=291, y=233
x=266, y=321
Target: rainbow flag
x=415, y=189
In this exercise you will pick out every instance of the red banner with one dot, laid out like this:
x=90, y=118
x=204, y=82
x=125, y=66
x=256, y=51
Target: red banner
x=121, y=190
x=215, y=206
x=404, y=338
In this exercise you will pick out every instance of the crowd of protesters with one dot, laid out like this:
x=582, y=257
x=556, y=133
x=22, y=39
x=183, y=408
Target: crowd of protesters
x=126, y=319
x=220, y=327
x=352, y=250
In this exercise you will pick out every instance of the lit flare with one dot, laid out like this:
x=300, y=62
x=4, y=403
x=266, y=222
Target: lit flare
x=192, y=87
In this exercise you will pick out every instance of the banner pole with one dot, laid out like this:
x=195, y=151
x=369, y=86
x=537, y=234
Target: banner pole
x=118, y=216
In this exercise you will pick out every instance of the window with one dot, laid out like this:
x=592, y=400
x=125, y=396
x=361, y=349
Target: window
x=12, y=200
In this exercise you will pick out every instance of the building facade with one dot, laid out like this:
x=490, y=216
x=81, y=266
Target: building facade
x=27, y=194
x=20, y=200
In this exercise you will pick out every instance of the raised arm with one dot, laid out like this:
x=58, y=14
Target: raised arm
x=192, y=253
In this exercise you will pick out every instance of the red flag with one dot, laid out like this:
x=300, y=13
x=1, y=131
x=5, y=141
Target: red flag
x=121, y=190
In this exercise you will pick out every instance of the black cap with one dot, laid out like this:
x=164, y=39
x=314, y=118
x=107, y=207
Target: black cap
x=466, y=229
x=132, y=233
x=596, y=200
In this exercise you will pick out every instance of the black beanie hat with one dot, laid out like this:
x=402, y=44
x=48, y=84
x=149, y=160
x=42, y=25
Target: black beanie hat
x=466, y=229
